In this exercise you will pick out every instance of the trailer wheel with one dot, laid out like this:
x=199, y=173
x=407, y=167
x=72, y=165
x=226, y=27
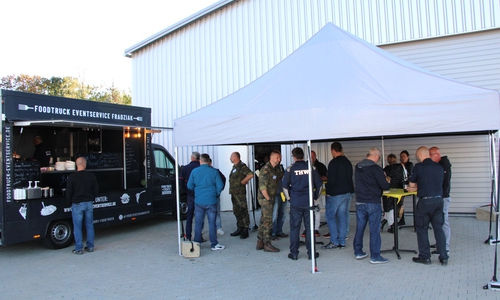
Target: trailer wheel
x=59, y=235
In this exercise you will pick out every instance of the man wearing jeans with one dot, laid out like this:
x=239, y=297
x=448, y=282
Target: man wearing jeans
x=81, y=190
x=183, y=179
x=207, y=185
x=370, y=183
x=339, y=188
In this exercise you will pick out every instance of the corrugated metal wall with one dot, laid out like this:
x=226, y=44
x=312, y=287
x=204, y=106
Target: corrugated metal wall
x=229, y=48
x=226, y=50
x=472, y=58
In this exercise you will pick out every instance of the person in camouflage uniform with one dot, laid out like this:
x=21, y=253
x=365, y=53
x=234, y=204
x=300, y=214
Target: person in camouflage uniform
x=238, y=178
x=269, y=177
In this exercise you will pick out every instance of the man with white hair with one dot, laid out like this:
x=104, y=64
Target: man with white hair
x=370, y=183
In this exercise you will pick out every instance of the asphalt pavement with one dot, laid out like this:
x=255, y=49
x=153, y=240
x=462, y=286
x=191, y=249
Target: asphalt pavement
x=141, y=261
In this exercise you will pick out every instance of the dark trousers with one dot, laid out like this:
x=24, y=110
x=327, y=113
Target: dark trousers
x=189, y=216
x=430, y=211
x=297, y=215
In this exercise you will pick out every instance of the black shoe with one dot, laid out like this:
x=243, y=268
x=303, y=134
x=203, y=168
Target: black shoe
x=292, y=257
x=382, y=224
x=391, y=229
x=402, y=221
x=315, y=255
x=433, y=246
x=444, y=262
x=237, y=232
x=244, y=233
x=341, y=247
x=435, y=252
x=421, y=260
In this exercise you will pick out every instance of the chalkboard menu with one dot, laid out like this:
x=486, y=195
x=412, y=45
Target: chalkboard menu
x=132, y=156
x=25, y=171
x=103, y=160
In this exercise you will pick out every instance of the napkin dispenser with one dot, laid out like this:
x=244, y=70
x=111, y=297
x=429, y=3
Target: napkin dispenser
x=19, y=194
x=32, y=193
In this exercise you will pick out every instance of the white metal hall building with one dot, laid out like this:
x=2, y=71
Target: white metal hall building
x=226, y=46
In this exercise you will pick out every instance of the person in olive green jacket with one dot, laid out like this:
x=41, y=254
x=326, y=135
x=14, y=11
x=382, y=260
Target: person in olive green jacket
x=238, y=179
x=269, y=178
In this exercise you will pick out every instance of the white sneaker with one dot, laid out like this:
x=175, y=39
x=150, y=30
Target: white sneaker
x=220, y=231
x=218, y=247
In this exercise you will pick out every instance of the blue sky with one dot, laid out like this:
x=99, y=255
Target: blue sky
x=83, y=39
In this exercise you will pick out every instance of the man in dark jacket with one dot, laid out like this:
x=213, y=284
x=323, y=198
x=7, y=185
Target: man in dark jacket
x=370, y=182
x=339, y=189
x=81, y=190
x=427, y=181
x=296, y=189
x=183, y=180
x=435, y=154
x=323, y=174
x=42, y=153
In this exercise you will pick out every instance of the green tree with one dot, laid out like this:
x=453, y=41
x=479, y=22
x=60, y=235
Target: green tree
x=69, y=87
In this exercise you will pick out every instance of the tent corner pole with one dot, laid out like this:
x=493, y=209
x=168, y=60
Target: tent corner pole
x=314, y=263
x=178, y=198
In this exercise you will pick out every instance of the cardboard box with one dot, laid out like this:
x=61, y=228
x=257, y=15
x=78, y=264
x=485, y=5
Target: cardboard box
x=483, y=213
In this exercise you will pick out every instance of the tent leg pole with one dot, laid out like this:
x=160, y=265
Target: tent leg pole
x=178, y=197
x=314, y=263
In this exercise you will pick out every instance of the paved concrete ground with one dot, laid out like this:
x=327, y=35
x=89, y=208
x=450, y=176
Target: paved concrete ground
x=141, y=261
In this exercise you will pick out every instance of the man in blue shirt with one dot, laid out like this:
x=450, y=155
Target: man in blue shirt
x=207, y=185
x=296, y=189
x=427, y=180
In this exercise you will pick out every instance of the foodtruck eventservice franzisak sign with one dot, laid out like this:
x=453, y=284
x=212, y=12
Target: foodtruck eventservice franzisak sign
x=41, y=107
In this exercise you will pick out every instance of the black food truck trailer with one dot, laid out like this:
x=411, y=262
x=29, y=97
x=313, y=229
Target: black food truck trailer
x=136, y=177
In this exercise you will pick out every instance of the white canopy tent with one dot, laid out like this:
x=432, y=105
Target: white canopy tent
x=338, y=86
